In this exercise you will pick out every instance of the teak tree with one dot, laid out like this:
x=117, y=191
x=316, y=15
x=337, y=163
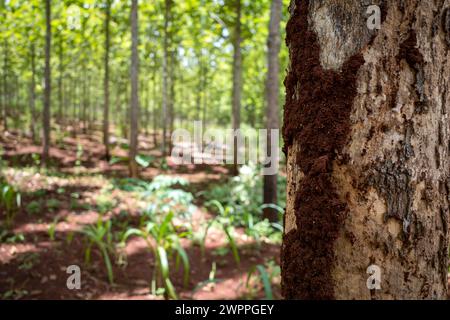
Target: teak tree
x=366, y=134
x=272, y=110
x=106, y=80
x=134, y=110
x=47, y=90
x=237, y=80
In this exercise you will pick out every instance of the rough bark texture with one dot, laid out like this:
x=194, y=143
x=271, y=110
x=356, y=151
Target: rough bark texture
x=134, y=108
x=272, y=87
x=47, y=89
x=367, y=140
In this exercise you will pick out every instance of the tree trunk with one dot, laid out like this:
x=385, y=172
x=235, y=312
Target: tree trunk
x=106, y=83
x=84, y=101
x=366, y=133
x=155, y=112
x=165, y=75
x=272, y=90
x=237, y=82
x=5, y=86
x=134, y=109
x=60, y=80
x=47, y=89
x=171, y=104
x=33, y=93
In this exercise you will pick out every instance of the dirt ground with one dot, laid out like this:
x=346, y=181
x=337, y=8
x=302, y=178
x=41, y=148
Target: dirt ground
x=33, y=266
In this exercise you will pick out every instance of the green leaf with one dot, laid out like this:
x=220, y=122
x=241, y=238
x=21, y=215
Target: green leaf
x=266, y=282
x=143, y=160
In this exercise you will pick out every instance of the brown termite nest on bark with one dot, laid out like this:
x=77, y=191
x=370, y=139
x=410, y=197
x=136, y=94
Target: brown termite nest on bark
x=317, y=116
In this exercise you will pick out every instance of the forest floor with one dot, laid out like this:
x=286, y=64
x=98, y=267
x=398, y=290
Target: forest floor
x=58, y=202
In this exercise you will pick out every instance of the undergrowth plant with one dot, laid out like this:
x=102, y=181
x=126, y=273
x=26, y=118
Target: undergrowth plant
x=266, y=275
x=10, y=201
x=163, y=241
x=100, y=236
x=225, y=221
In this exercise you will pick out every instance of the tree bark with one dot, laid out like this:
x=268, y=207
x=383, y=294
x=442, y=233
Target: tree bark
x=33, y=93
x=171, y=102
x=165, y=75
x=47, y=89
x=155, y=112
x=272, y=90
x=134, y=110
x=366, y=134
x=237, y=81
x=60, y=79
x=106, y=82
x=5, y=86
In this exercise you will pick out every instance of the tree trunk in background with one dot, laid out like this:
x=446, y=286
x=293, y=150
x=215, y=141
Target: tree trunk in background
x=171, y=104
x=272, y=91
x=106, y=83
x=237, y=81
x=60, y=81
x=154, y=111
x=33, y=93
x=134, y=110
x=366, y=133
x=84, y=101
x=5, y=86
x=165, y=75
x=47, y=89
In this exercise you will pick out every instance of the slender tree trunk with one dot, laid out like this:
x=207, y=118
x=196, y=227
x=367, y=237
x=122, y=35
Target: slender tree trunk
x=237, y=81
x=84, y=101
x=33, y=93
x=47, y=89
x=171, y=104
x=60, y=80
x=366, y=135
x=5, y=86
x=106, y=83
x=165, y=88
x=147, y=106
x=155, y=111
x=272, y=91
x=134, y=110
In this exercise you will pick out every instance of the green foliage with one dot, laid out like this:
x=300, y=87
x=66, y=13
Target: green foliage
x=77, y=205
x=241, y=205
x=53, y=204
x=105, y=203
x=163, y=240
x=36, y=159
x=9, y=237
x=100, y=236
x=225, y=220
x=10, y=201
x=266, y=275
x=28, y=260
x=52, y=229
x=144, y=160
x=79, y=155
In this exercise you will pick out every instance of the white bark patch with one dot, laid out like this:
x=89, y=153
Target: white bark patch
x=341, y=29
